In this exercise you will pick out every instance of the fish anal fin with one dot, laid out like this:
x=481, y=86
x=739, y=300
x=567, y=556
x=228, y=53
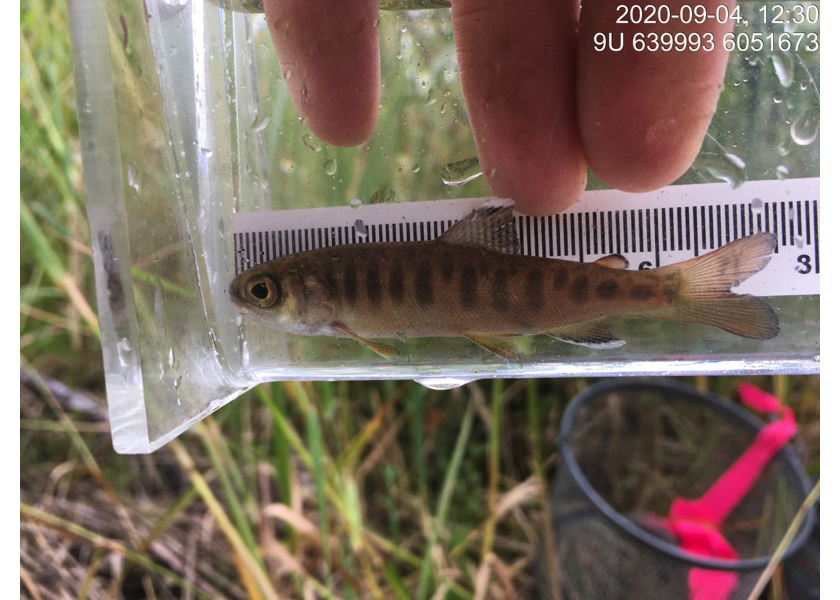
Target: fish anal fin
x=382, y=350
x=592, y=334
x=496, y=345
x=613, y=261
x=490, y=227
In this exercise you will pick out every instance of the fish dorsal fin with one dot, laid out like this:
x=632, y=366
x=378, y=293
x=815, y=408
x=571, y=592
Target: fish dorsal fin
x=491, y=227
x=613, y=261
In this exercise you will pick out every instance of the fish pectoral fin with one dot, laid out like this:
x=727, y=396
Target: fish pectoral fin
x=496, y=345
x=613, y=261
x=592, y=334
x=382, y=350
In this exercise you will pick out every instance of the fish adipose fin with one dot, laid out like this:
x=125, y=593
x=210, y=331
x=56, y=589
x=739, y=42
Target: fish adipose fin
x=382, y=350
x=497, y=346
x=613, y=261
x=705, y=289
x=592, y=334
x=490, y=227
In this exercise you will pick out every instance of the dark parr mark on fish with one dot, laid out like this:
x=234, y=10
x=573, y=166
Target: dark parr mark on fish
x=560, y=278
x=350, y=286
x=641, y=292
x=423, y=284
x=372, y=284
x=580, y=289
x=534, y=289
x=447, y=268
x=330, y=277
x=607, y=290
x=469, y=285
x=499, y=290
x=396, y=283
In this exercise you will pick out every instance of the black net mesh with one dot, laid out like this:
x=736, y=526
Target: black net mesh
x=640, y=448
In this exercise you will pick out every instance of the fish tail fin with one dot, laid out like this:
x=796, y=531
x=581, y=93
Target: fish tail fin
x=706, y=296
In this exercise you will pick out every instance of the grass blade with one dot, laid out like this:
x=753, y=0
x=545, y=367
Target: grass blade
x=493, y=467
x=53, y=266
x=418, y=395
x=98, y=541
x=225, y=524
x=313, y=430
x=776, y=559
x=445, y=498
x=211, y=444
x=392, y=576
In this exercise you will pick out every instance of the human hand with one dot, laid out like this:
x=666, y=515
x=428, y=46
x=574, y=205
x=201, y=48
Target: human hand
x=542, y=101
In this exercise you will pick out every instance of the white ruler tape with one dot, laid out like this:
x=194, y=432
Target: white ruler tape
x=658, y=228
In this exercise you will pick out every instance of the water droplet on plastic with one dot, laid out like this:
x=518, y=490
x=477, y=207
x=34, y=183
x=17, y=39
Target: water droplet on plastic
x=757, y=205
x=415, y=169
x=444, y=383
x=781, y=172
x=784, y=147
x=461, y=172
x=777, y=99
x=799, y=241
x=359, y=227
x=402, y=337
x=260, y=123
x=124, y=352
x=729, y=168
x=355, y=204
x=443, y=107
x=330, y=167
x=207, y=152
x=783, y=64
x=383, y=195
x=804, y=129
x=430, y=99
x=133, y=179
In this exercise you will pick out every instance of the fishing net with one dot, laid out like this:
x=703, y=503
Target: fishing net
x=629, y=449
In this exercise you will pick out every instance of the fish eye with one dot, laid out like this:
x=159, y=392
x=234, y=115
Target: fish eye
x=261, y=291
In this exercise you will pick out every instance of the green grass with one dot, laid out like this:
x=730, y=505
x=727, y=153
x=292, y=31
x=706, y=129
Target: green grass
x=362, y=489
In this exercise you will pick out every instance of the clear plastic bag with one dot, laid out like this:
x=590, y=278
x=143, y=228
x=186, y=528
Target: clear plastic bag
x=185, y=120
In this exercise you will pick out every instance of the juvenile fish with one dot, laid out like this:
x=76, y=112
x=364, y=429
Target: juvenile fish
x=473, y=282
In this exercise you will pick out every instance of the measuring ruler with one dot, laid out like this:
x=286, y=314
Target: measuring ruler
x=658, y=228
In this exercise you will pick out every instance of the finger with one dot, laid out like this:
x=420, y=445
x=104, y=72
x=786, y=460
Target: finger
x=329, y=55
x=643, y=114
x=517, y=65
